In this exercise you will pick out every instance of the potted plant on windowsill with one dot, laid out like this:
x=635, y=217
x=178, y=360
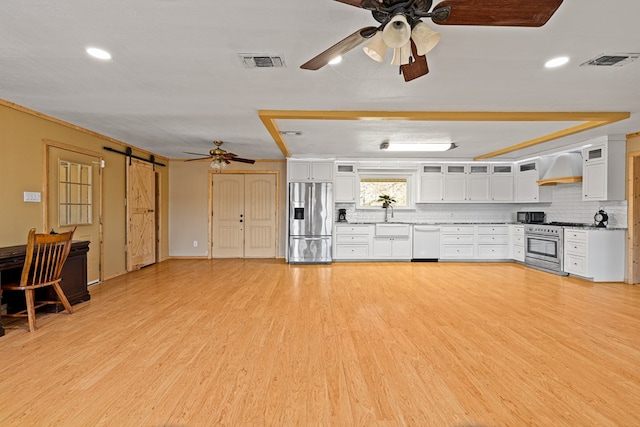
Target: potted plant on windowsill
x=387, y=201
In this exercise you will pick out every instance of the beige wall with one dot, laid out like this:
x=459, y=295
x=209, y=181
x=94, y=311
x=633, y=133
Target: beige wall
x=189, y=204
x=21, y=169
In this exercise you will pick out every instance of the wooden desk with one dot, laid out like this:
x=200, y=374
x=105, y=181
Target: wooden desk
x=74, y=276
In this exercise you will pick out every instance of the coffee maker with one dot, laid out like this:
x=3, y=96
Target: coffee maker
x=342, y=215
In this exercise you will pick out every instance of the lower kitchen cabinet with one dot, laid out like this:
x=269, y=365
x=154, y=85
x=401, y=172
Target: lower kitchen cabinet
x=517, y=242
x=493, y=242
x=392, y=248
x=596, y=254
x=353, y=242
x=392, y=241
x=457, y=242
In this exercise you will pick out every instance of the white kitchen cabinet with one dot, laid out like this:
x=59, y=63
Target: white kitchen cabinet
x=603, y=171
x=457, y=242
x=455, y=183
x=318, y=171
x=527, y=189
x=517, y=242
x=344, y=190
x=502, y=183
x=595, y=254
x=493, y=241
x=431, y=183
x=396, y=248
x=353, y=241
x=478, y=183
x=392, y=241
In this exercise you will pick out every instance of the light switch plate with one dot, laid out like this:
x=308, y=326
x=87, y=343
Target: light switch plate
x=32, y=196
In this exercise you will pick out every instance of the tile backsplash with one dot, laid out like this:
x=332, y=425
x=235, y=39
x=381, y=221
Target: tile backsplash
x=566, y=206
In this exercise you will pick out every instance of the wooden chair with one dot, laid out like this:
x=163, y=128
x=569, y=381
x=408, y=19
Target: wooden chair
x=45, y=257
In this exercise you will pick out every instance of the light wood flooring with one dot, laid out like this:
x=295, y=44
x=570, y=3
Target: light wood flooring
x=260, y=342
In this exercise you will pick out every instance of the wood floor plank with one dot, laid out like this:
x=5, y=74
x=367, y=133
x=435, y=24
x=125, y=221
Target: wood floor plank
x=260, y=342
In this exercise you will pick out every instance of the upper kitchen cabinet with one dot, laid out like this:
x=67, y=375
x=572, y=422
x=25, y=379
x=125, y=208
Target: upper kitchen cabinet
x=455, y=183
x=431, y=183
x=344, y=189
x=316, y=171
x=603, y=170
x=527, y=189
x=502, y=183
x=478, y=183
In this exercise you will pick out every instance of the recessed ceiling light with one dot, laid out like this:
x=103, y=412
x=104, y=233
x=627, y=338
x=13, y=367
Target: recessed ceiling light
x=99, y=53
x=557, y=62
x=432, y=146
x=336, y=60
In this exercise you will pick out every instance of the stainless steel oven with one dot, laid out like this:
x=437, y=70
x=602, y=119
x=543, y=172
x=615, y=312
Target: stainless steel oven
x=544, y=247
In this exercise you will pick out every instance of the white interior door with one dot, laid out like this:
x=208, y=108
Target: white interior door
x=244, y=223
x=260, y=216
x=228, y=216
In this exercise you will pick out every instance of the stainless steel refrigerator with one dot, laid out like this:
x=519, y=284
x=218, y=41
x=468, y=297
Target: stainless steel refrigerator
x=310, y=222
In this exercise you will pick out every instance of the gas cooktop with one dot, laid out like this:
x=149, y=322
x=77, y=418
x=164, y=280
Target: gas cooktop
x=567, y=224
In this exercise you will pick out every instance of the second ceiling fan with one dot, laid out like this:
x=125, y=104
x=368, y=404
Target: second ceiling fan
x=401, y=27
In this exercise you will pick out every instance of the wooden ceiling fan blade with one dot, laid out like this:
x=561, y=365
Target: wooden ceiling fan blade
x=417, y=68
x=340, y=48
x=195, y=154
x=507, y=13
x=241, y=160
x=199, y=158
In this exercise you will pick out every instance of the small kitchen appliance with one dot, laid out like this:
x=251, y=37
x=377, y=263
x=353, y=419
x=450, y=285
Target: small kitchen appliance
x=601, y=218
x=342, y=215
x=530, y=217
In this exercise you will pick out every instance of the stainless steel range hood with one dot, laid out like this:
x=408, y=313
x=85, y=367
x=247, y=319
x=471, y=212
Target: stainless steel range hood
x=565, y=169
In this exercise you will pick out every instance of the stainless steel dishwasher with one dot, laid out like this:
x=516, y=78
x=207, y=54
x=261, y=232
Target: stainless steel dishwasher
x=426, y=243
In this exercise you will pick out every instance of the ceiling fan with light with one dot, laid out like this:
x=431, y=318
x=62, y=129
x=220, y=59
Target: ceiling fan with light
x=219, y=157
x=401, y=27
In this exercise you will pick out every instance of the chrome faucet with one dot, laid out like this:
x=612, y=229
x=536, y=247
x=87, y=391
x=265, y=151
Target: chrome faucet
x=386, y=213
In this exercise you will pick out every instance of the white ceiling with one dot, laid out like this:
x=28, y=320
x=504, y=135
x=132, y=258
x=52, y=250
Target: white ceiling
x=176, y=82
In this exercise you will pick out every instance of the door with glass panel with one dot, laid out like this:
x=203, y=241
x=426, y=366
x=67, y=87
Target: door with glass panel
x=74, y=199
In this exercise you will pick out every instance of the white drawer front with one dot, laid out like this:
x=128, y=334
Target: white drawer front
x=358, y=238
x=575, y=235
x=575, y=264
x=457, y=251
x=493, y=229
x=500, y=239
x=518, y=240
x=518, y=230
x=493, y=251
x=352, y=229
x=463, y=229
x=457, y=239
x=575, y=247
x=352, y=251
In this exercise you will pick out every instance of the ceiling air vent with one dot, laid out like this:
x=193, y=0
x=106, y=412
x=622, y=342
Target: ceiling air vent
x=262, y=61
x=612, y=60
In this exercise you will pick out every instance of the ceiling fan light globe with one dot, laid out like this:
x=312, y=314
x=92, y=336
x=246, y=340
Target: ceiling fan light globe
x=218, y=164
x=401, y=56
x=425, y=38
x=376, y=48
x=397, y=32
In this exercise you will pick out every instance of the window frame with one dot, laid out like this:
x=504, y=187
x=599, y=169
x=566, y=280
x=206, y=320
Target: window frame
x=410, y=179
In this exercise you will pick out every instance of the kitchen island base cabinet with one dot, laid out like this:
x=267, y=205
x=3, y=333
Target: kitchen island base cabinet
x=596, y=254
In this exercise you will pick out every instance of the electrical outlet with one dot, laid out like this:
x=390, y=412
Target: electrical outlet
x=195, y=243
